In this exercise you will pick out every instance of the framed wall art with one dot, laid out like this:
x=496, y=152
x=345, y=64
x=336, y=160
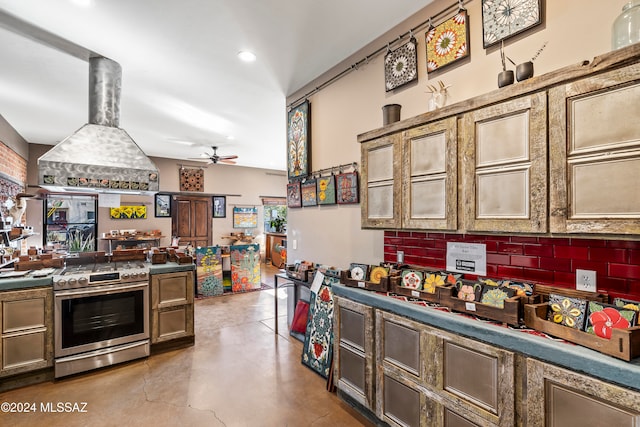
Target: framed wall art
x=294, y=199
x=219, y=206
x=128, y=212
x=299, y=140
x=162, y=206
x=347, y=188
x=502, y=19
x=448, y=42
x=245, y=217
x=326, y=190
x=401, y=65
x=190, y=180
x=308, y=192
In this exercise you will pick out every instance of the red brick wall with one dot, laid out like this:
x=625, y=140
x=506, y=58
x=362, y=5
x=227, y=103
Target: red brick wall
x=12, y=164
x=545, y=260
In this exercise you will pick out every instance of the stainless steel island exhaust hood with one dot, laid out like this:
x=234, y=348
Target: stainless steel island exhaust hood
x=99, y=156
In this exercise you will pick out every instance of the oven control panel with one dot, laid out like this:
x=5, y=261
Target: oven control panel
x=87, y=279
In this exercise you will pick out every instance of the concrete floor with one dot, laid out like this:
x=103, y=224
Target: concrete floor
x=238, y=373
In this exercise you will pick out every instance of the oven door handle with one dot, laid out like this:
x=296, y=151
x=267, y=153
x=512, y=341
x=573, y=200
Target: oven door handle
x=100, y=290
x=100, y=352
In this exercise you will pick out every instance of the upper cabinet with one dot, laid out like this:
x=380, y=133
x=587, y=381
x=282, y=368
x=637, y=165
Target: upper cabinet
x=429, y=176
x=557, y=154
x=504, y=162
x=409, y=179
x=380, y=182
x=595, y=154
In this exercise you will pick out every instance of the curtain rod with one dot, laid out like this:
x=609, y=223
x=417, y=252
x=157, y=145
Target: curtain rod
x=339, y=168
x=460, y=4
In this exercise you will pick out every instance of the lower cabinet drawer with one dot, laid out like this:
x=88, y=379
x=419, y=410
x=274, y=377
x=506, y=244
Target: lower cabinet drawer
x=24, y=349
x=401, y=403
x=172, y=322
x=352, y=369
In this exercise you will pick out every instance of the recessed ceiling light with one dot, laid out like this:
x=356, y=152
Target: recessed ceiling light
x=247, y=56
x=230, y=137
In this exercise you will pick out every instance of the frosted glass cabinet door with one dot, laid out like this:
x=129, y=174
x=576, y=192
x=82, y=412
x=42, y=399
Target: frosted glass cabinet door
x=504, y=163
x=595, y=154
x=380, y=183
x=430, y=176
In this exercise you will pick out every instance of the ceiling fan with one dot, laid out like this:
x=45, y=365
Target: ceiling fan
x=215, y=158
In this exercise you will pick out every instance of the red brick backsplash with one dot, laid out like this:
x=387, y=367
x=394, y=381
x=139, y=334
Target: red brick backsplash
x=546, y=260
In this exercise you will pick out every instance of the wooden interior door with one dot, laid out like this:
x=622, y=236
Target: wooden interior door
x=191, y=220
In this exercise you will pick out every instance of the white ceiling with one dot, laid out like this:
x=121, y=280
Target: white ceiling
x=181, y=78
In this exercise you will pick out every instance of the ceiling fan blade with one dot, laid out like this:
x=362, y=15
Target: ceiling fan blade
x=201, y=159
x=228, y=162
x=227, y=157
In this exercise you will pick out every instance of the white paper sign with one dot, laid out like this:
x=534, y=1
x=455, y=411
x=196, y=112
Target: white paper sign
x=470, y=306
x=108, y=200
x=467, y=258
x=361, y=284
x=317, y=281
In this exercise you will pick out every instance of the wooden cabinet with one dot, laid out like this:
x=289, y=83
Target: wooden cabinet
x=504, y=163
x=27, y=330
x=409, y=179
x=558, y=397
x=353, y=367
x=429, y=377
x=380, y=182
x=171, y=306
x=429, y=176
x=595, y=154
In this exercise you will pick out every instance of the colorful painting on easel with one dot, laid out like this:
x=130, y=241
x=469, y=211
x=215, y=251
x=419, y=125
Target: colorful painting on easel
x=245, y=268
x=317, y=352
x=209, y=271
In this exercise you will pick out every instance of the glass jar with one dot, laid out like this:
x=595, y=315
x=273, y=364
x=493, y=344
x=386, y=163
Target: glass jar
x=626, y=27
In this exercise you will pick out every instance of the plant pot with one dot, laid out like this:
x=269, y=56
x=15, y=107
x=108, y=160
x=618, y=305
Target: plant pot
x=390, y=113
x=524, y=71
x=505, y=78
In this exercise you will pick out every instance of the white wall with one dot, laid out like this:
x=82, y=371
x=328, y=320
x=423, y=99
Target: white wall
x=576, y=30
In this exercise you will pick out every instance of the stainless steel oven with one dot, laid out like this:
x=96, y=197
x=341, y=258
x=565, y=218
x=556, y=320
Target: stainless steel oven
x=101, y=317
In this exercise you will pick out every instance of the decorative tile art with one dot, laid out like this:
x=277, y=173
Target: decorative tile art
x=294, y=198
x=298, y=141
x=469, y=291
x=326, y=190
x=448, y=42
x=412, y=279
x=317, y=351
x=602, y=318
x=209, y=271
x=359, y=271
x=495, y=295
x=377, y=273
x=308, y=191
x=190, y=180
x=347, y=188
x=567, y=311
x=128, y=212
x=245, y=267
x=439, y=278
x=401, y=65
x=627, y=304
x=502, y=19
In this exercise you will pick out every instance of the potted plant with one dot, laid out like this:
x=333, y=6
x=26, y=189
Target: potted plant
x=278, y=224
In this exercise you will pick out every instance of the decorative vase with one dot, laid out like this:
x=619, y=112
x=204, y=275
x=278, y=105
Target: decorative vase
x=626, y=27
x=524, y=71
x=391, y=113
x=505, y=78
